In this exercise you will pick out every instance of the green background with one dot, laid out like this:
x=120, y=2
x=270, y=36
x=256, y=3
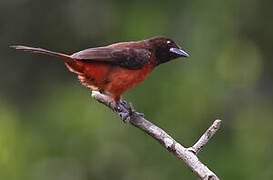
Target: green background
x=50, y=128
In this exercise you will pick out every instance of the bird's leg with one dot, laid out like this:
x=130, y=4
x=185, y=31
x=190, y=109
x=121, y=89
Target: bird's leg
x=127, y=111
x=123, y=110
x=123, y=103
x=119, y=106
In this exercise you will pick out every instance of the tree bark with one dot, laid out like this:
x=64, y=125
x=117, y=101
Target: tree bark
x=188, y=155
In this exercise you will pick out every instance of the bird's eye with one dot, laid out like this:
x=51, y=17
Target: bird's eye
x=169, y=42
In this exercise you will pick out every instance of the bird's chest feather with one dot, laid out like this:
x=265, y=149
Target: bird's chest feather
x=110, y=78
x=121, y=79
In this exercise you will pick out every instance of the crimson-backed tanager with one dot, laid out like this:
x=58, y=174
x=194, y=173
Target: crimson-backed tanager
x=116, y=68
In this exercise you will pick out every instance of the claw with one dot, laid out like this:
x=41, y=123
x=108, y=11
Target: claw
x=118, y=109
x=123, y=111
x=122, y=106
x=122, y=102
x=125, y=116
x=126, y=111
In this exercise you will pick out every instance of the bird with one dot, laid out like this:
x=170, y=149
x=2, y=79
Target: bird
x=116, y=68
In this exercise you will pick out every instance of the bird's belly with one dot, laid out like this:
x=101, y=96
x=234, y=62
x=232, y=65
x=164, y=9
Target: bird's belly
x=121, y=79
x=110, y=79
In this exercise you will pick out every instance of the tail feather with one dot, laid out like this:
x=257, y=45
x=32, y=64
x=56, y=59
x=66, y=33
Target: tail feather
x=41, y=51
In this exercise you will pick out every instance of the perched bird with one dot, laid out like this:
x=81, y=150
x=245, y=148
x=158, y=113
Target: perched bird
x=116, y=68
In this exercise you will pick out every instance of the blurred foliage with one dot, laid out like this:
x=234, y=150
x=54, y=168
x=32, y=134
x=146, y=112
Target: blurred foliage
x=50, y=128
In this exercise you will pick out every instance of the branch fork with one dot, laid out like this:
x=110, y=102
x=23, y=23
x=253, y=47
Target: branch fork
x=188, y=155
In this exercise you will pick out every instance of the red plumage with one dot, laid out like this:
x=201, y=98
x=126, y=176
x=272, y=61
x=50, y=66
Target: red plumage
x=116, y=68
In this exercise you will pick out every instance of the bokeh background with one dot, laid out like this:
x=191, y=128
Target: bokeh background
x=50, y=128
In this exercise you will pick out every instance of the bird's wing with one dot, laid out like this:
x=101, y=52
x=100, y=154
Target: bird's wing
x=130, y=58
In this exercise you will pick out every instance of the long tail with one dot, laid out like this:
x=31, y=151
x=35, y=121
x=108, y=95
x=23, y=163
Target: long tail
x=68, y=60
x=42, y=51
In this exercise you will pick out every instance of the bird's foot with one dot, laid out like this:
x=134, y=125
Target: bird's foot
x=123, y=111
x=123, y=103
x=126, y=112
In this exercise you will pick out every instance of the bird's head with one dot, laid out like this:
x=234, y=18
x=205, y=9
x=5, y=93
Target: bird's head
x=165, y=49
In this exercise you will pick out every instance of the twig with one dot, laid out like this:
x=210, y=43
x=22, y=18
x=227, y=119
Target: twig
x=206, y=136
x=188, y=155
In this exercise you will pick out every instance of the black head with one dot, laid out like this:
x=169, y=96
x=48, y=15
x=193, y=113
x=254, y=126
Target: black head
x=165, y=49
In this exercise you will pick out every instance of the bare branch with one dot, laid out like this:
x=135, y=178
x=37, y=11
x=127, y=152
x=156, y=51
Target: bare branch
x=188, y=155
x=206, y=136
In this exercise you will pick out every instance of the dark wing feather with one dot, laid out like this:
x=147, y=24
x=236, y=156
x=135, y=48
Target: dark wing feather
x=130, y=58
